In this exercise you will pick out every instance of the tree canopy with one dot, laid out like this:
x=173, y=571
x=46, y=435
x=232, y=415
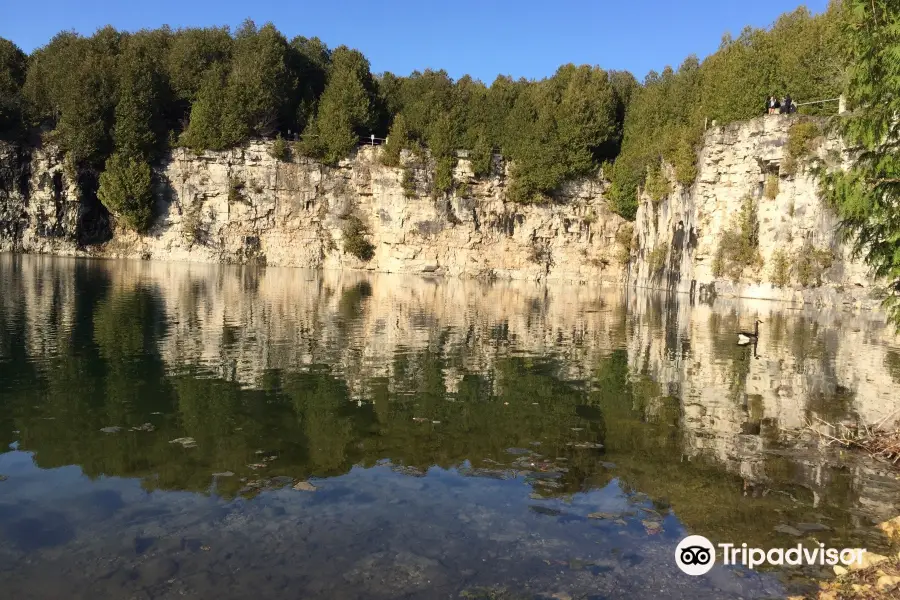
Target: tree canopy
x=134, y=94
x=867, y=196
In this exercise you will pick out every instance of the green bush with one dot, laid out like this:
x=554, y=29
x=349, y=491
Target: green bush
x=657, y=186
x=656, y=259
x=771, y=189
x=626, y=242
x=802, y=139
x=355, y=241
x=739, y=246
x=236, y=190
x=781, y=269
x=812, y=264
x=397, y=141
x=280, y=149
x=126, y=190
x=443, y=174
x=408, y=182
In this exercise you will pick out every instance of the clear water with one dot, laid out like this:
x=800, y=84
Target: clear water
x=447, y=438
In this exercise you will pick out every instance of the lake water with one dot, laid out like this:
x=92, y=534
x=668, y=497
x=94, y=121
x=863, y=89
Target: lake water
x=446, y=438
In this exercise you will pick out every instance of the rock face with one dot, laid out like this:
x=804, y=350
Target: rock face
x=244, y=206
x=741, y=163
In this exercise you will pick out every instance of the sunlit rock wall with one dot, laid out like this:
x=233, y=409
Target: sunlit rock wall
x=244, y=206
x=734, y=163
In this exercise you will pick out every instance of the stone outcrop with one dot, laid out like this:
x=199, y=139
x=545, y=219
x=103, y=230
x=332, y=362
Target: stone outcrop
x=736, y=165
x=244, y=206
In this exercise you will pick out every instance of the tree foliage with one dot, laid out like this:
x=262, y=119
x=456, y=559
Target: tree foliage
x=799, y=55
x=12, y=78
x=867, y=197
x=126, y=189
x=211, y=89
x=346, y=110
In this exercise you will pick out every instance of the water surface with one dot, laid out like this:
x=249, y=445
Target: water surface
x=183, y=430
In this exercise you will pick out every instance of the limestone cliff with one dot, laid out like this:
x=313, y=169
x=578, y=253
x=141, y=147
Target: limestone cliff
x=801, y=256
x=244, y=206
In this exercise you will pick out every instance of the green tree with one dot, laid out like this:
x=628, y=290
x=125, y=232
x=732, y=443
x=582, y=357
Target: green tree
x=260, y=84
x=309, y=60
x=192, y=52
x=867, y=197
x=205, y=131
x=126, y=190
x=346, y=110
x=12, y=78
x=71, y=86
x=140, y=125
x=397, y=141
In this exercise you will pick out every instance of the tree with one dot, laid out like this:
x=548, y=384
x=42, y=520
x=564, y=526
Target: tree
x=346, y=109
x=397, y=141
x=12, y=78
x=71, y=85
x=205, y=131
x=126, y=190
x=259, y=84
x=867, y=197
x=192, y=52
x=140, y=125
x=309, y=60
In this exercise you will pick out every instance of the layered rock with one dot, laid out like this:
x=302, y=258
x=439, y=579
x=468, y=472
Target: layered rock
x=735, y=165
x=244, y=206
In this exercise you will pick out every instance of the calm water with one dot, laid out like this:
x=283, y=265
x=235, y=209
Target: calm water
x=447, y=438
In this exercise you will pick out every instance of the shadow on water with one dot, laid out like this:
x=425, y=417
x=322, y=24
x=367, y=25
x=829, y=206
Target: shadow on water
x=427, y=428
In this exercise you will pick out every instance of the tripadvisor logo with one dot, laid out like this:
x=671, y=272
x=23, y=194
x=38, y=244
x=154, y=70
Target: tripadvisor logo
x=696, y=555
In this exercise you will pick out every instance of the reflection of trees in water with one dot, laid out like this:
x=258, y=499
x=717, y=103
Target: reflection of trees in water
x=430, y=410
x=892, y=364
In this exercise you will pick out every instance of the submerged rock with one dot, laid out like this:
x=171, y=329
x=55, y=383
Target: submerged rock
x=185, y=442
x=304, y=486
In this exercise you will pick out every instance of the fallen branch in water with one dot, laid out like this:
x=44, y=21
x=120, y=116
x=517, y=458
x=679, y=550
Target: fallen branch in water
x=882, y=444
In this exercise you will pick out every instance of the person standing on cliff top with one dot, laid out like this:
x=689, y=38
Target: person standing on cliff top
x=786, y=105
x=774, y=104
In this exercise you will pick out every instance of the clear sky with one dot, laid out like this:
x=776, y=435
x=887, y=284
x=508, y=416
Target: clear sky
x=523, y=38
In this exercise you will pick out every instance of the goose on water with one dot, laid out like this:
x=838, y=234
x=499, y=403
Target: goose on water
x=745, y=337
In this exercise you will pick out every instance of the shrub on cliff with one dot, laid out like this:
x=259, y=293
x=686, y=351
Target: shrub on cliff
x=739, y=245
x=355, y=241
x=802, y=138
x=280, y=149
x=126, y=190
x=657, y=185
x=397, y=141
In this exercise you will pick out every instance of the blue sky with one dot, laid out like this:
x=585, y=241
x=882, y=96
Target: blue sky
x=527, y=38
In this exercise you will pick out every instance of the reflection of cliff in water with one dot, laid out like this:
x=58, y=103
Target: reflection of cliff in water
x=285, y=373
